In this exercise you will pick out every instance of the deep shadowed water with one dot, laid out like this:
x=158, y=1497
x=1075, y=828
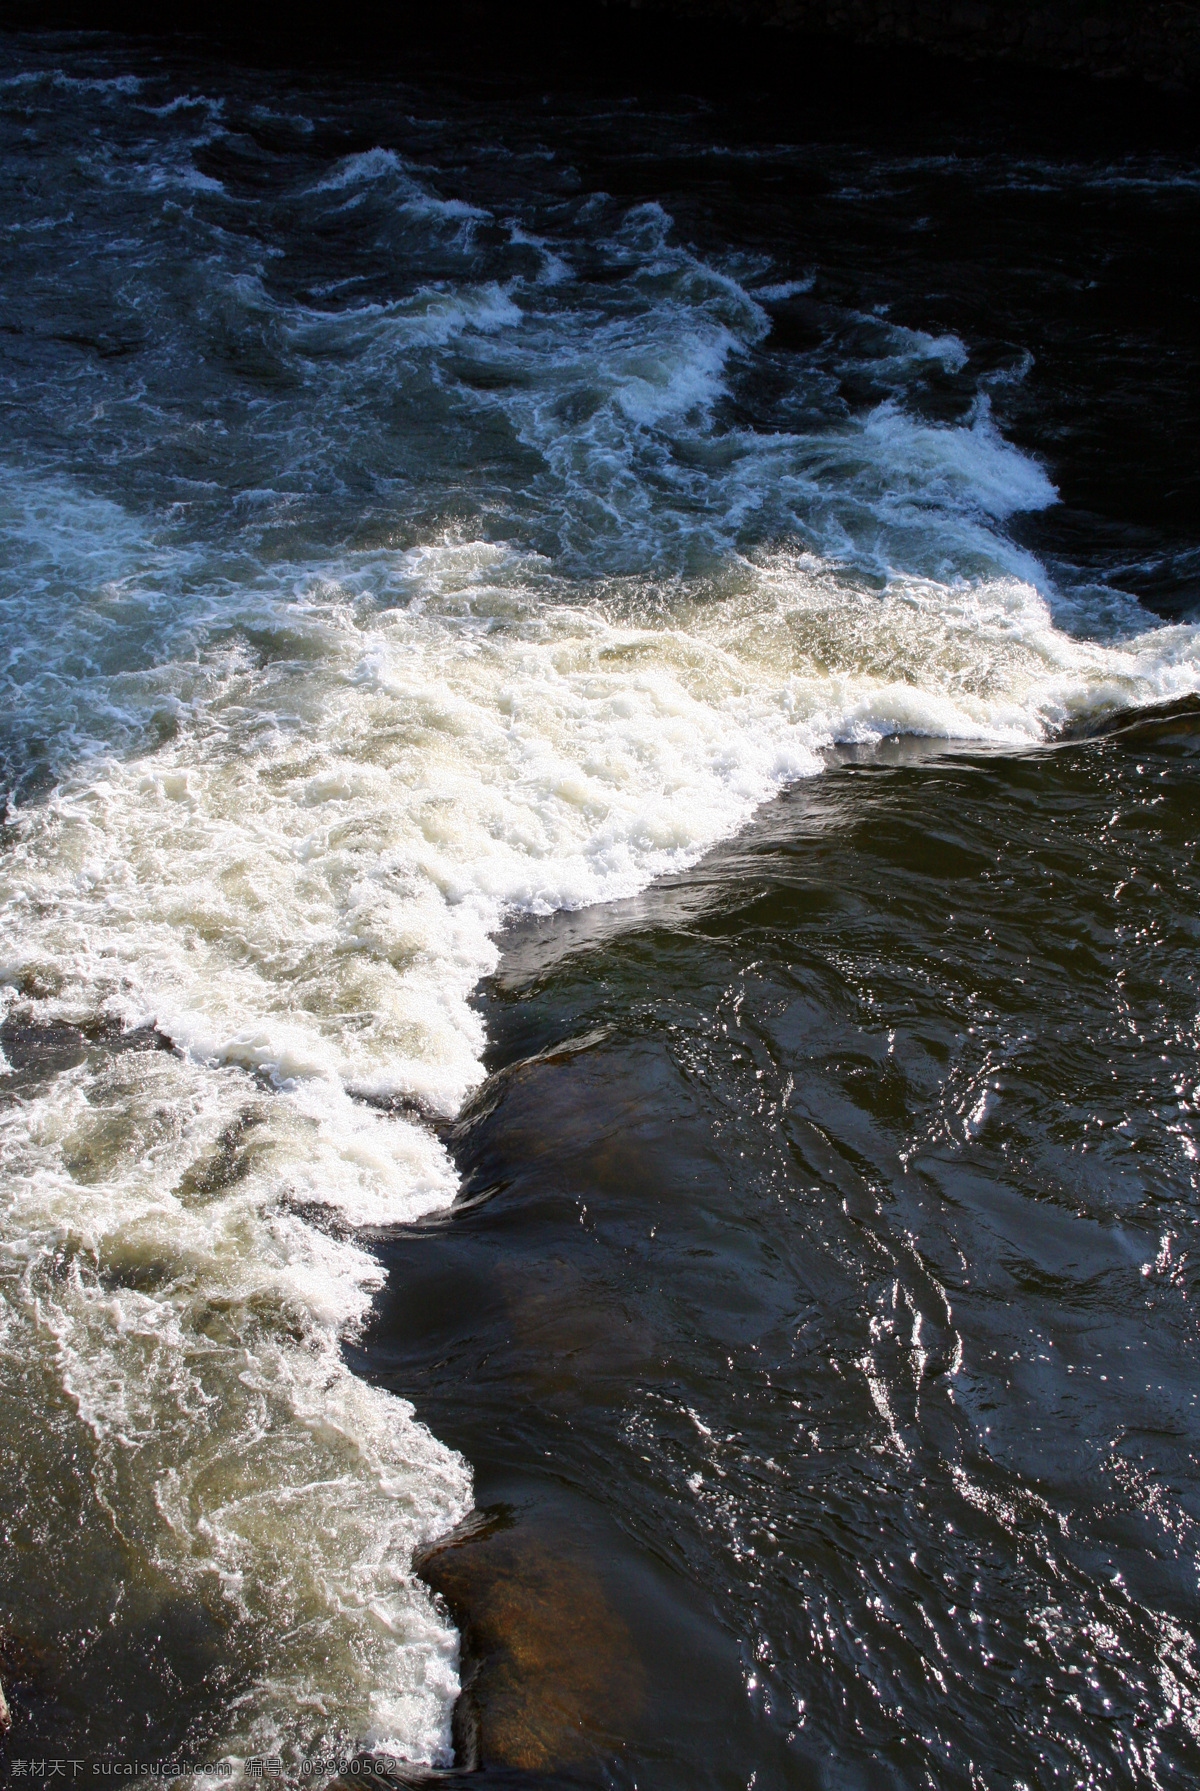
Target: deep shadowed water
x=598, y=928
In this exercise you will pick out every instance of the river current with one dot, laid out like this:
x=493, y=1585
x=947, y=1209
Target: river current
x=594, y=928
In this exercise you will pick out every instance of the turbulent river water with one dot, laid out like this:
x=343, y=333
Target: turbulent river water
x=592, y=927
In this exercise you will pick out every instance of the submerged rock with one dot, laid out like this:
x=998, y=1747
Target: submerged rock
x=1172, y=726
x=550, y=1672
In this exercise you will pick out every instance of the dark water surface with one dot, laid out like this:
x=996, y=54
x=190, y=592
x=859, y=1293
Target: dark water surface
x=598, y=910
x=824, y=1263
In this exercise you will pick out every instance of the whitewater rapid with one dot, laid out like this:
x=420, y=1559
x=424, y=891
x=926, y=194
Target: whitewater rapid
x=286, y=797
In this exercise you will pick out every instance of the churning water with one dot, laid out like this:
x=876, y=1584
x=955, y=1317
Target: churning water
x=419, y=513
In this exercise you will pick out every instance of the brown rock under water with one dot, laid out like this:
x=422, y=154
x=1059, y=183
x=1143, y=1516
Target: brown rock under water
x=551, y=1674
x=1172, y=726
x=25, y=1663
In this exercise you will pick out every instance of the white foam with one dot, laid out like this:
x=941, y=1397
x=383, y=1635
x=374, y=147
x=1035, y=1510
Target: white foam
x=910, y=346
x=370, y=164
x=36, y=225
x=196, y=1338
x=337, y=837
x=185, y=176
x=554, y=270
x=786, y=289
x=431, y=318
x=57, y=77
x=943, y=466
x=413, y=196
x=189, y=102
